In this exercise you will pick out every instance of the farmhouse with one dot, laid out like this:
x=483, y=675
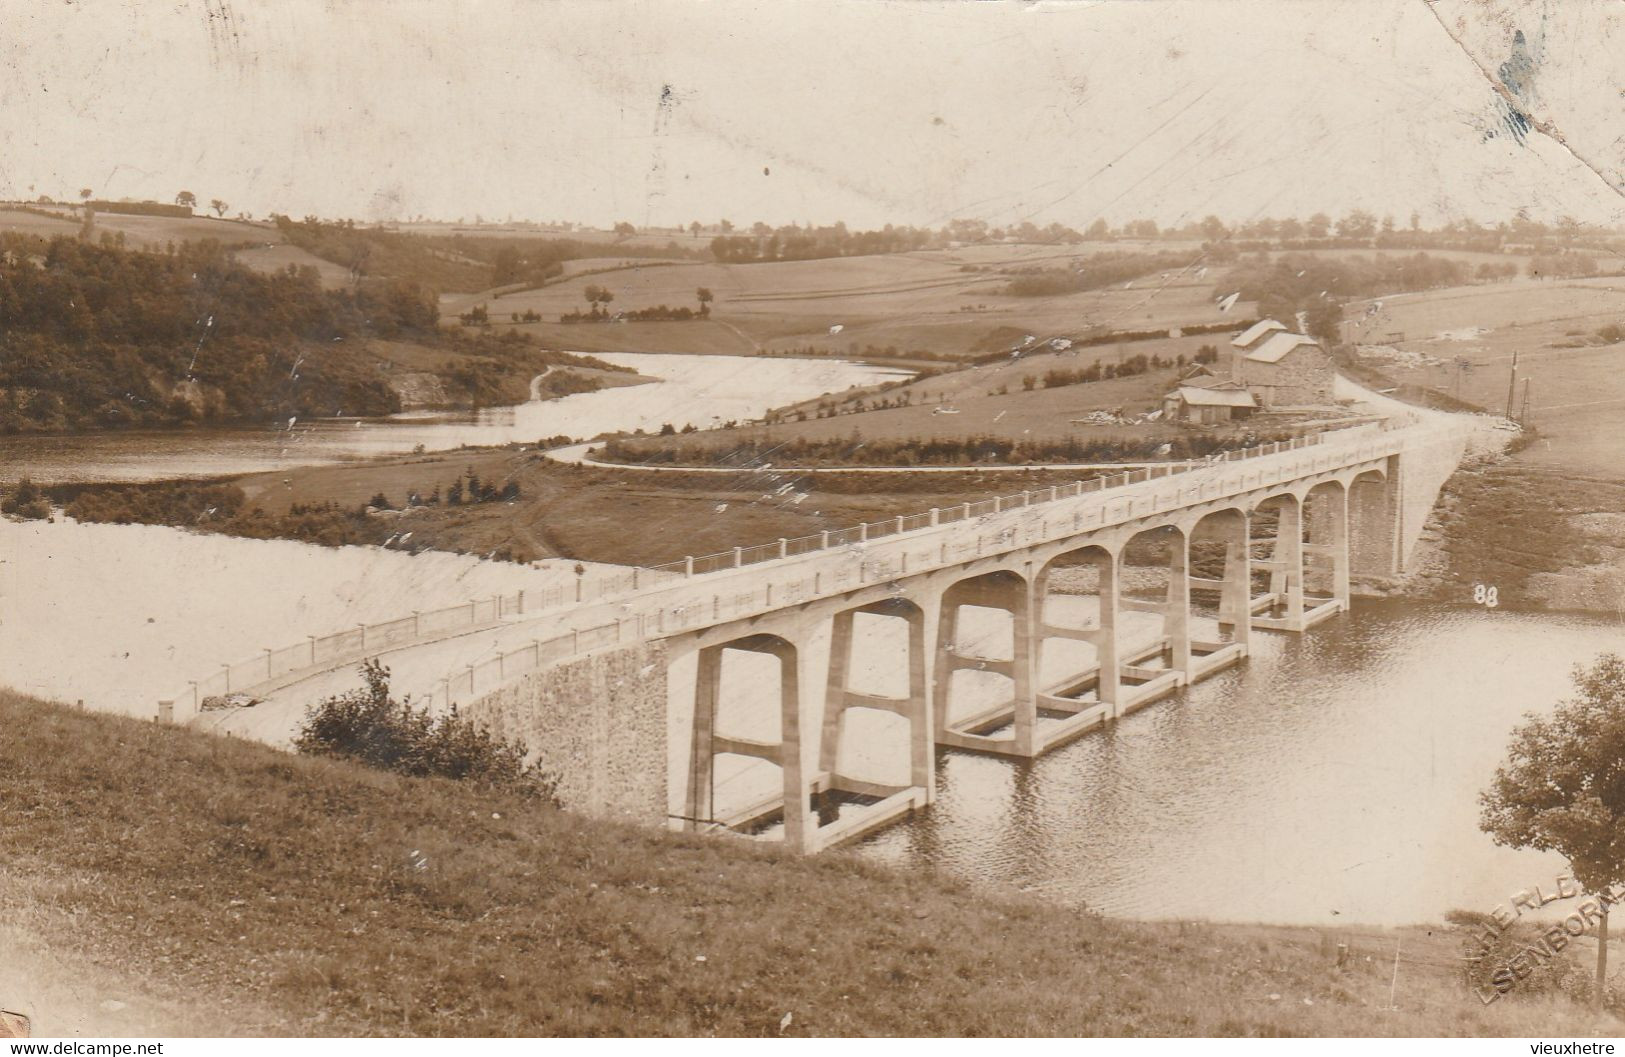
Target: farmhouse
x=1280, y=368
x=1270, y=366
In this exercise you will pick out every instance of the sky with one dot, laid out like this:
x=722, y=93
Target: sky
x=661, y=112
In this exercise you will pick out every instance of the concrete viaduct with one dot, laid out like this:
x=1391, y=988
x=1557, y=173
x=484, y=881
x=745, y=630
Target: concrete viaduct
x=801, y=690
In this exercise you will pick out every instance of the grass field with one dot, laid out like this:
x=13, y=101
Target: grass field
x=1577, y=395
x=943, y=301
x=622, y=516
x=269, y=252
x=245, y=891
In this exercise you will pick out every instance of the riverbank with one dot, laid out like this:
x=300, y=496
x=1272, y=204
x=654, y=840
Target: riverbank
x=327, y=899
x=589, y=513
x=1544, y=537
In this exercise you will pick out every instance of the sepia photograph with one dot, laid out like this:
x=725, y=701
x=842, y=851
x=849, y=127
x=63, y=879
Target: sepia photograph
x=609, y=519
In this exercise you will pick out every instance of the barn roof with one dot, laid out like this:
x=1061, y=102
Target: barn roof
x=1247, y=338
x=1278, y=346
x=1197, y=397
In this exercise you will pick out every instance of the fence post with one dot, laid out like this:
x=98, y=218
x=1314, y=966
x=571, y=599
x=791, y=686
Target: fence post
x=417, y=623
x=521, y=601
x=863, y=532
x=363, y=628
x=268, y=675
x=496, y=606
x=227, y=669
x=739, y=557
x=634, y=577
x=197, y=698
x=688, y=565
x=935, y=514
x=312, y=639
x=823, y=540
x=474, y=610
x=784, y=547
x=470, y=680
x=965, y=511
x=899, y=523
x=998, y=504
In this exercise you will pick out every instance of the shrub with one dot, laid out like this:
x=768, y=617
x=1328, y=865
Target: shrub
x=370, y=727
x=26, y=501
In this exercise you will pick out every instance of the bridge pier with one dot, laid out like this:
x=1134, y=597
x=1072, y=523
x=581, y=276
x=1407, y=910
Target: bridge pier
x=1282, y=604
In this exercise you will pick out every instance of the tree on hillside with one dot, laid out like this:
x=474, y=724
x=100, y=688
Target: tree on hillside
x=85, y=193
x=1358, y=224
x=624, y=228
x=1213, y=228
x=1319, y=226
x=1098, y=231
x=186, y=198
x=1562, y=788
x=705, y=297
x=695, y=228
x=218, y=206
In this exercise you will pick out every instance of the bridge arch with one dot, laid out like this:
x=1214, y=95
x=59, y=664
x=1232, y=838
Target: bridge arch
x=722, y=728
x=1326, y=545
x=1220, y=586
x=1075, y=617
x=970, y=648
x=863, y=711
x=1373, y=520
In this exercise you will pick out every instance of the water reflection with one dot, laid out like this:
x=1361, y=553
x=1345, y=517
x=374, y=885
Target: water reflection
x=1332, y=778
x=685, y=390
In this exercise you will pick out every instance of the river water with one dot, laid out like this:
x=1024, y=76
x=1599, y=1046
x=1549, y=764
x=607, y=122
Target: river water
x=686, y=390
x=1332, y=778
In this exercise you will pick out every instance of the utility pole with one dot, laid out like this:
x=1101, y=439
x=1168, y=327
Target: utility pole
x=1512, y=383
x=1523, y=414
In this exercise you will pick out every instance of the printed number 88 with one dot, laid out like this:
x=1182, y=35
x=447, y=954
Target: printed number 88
x=1485, y=596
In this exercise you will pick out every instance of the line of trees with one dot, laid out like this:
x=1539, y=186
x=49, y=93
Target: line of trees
x=1317, y=286
x=855, y=450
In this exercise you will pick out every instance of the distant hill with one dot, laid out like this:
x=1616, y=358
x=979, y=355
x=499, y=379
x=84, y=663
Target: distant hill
x=98, y=336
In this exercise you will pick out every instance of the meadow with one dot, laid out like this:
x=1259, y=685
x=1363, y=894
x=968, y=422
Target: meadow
x=943, y=301
x=1462, y=341
x=222, y=887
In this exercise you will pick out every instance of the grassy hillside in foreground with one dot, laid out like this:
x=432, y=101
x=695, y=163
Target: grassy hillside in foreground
x=345, y=901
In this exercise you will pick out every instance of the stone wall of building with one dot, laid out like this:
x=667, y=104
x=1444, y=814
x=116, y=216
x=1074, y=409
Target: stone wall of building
x=598, y=723
x=1303, y=376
